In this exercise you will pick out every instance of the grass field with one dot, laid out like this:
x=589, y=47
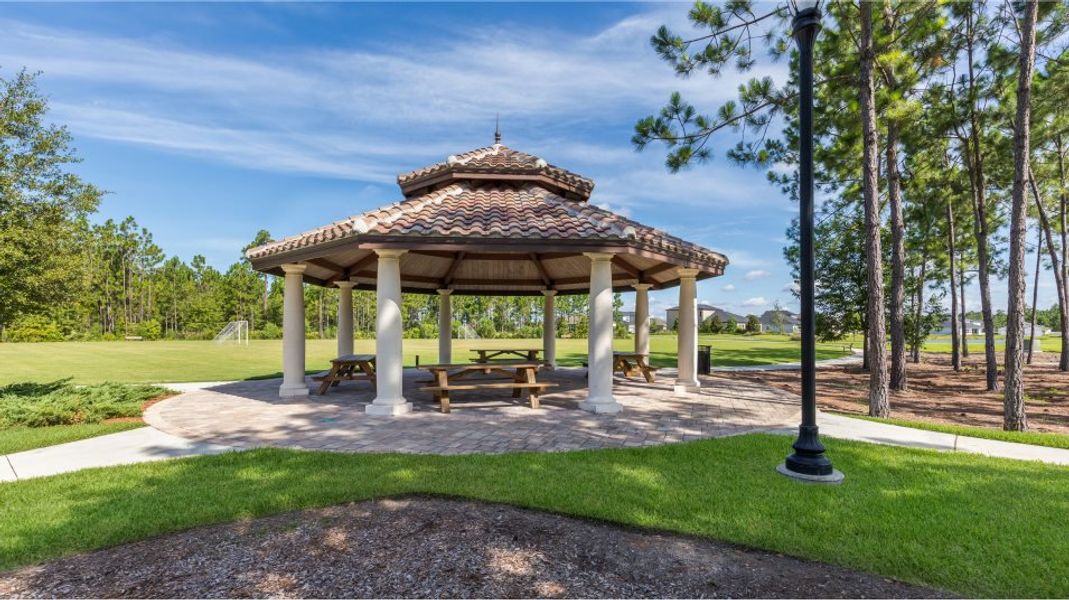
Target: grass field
x=175, y=361
x=972, y=525
x=942, y=343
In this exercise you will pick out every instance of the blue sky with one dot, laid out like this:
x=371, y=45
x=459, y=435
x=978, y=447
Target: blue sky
x=208, y=122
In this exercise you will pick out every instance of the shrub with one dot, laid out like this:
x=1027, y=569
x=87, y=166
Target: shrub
x=150, y=329
x=270, y=331
x=61, y=403
x=34, y=329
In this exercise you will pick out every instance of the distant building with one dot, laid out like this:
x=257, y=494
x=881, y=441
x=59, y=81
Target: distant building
x=1040, y=330
x=781, y=321
x=705, y=312
x=628, y=317
x=972, y=327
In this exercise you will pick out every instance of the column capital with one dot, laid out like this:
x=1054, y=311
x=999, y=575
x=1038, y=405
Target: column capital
x=687, y=273
x=549, y=293
x=445, y=291
x=294, y=267
x=599, y=256
x=345, y=284
x=642, y=287
x=389, y=252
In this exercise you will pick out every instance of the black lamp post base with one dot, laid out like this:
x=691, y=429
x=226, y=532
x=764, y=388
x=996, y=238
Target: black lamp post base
x=835, y=477
x=809, y=461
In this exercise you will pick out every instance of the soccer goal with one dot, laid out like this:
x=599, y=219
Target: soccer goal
x=235, y=331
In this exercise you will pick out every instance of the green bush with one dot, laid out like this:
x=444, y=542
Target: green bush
x=34, y=329
x=61, y=403
x=150, y=329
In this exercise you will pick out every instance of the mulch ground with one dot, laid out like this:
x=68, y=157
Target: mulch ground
x=936, y=393
x=427, y=547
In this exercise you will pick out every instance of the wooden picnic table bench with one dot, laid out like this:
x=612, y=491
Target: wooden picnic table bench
x=622, y=362
x=517, y=376
x=345, y=368
x=488, y=354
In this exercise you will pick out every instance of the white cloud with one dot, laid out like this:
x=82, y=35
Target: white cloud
x=729, y=287
x=756, y=274
x=758, y=301
x=368, y=113
x=792, y=287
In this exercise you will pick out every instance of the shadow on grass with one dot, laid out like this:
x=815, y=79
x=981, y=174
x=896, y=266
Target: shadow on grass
x=973, y=525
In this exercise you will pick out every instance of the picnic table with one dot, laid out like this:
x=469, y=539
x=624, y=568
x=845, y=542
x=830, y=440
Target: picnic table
x=488, y=354
x=345, y=368
x=517, y=376
x=622, y=361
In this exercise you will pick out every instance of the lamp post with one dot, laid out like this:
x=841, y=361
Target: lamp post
x=808, y=462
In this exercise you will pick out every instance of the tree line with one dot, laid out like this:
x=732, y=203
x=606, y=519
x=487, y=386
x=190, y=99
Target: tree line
x=942, y=142
x=63, y=277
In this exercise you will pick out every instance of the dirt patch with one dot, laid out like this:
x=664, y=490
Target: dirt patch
x=426, y=547
x=937, y=393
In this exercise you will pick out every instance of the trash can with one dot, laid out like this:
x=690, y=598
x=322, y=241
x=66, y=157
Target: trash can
x=705, y=360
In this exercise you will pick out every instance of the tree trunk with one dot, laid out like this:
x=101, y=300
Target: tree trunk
x=955, y=348
x=1059, y=276
x=1063, y=306
x=898, y=263
x=1014, y=418
x=879, y=403
x=980, y=225
x=964, y=319
x=1035, y=283
x=919, y=315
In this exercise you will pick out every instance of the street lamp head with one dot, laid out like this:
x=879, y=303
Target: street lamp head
x=799, y=6
x=806, y=20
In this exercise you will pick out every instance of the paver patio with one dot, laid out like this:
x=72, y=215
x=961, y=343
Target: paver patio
x=251, y=414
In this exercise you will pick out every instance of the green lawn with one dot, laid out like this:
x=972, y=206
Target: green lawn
x=1051, y=440
x=17, y=439
x=973, y=525
x=174, y=361
x=942, y=343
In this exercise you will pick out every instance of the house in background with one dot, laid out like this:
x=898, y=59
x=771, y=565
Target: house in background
x=1040, y=330
x=780, y=321
x=628, y=317
x=973, y=327
x=705, y=312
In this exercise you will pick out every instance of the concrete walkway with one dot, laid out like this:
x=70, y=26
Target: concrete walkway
x=847, y=428
x=133, y=446
x=855, y=359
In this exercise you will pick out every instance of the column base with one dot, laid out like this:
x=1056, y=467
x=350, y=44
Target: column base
x=293, y=390
x=682, y=387
x=601, y=406
x=388, y=408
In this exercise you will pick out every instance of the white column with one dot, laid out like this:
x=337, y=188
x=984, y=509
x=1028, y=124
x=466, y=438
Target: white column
x=549, y=329
x=293, y=384
x=389, y=371
x=345, y=317
x=599, y=395
x=642, y=318
x=688, y=333
x=445, y=327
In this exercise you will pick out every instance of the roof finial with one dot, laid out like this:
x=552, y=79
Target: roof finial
x=497, y=129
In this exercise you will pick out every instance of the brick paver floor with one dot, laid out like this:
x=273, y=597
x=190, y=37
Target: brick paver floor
x=250, y=414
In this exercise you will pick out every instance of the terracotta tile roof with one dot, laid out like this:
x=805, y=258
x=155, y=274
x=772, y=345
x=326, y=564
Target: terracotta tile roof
x=497, y=159
x=496, y=210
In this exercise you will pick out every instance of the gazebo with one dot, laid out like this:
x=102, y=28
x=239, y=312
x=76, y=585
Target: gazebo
x=492, y=221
